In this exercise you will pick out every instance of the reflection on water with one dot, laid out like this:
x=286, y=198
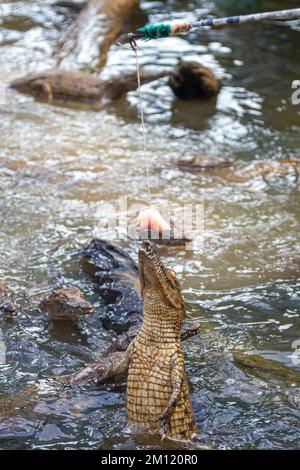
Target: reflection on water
x=57, y=164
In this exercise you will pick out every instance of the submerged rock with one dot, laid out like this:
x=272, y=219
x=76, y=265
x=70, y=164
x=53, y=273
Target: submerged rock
x=274, y=173
x=66, y=303
x=203, y=163
x=191, y=80
x=7, y=305
x=16, y=428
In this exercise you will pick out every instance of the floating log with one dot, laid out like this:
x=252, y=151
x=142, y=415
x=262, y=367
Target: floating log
x=66, y=86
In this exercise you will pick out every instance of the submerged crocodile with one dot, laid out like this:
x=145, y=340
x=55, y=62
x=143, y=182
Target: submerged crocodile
x=66, y=303
x=63, y=85
x=157, y=387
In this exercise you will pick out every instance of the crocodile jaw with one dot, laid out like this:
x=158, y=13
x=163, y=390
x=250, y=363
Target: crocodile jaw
x=155, y=276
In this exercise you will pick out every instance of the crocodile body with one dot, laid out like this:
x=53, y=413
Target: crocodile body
x=157, y=388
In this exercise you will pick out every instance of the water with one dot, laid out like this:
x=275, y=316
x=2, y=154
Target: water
x=58, y=164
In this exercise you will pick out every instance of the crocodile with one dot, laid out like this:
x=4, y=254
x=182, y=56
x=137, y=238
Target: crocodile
x=157, y=387
x=69, y=86
x=116, y=276
x=66, y=303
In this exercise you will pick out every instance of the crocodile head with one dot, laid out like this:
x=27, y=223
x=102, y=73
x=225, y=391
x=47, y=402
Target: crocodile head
x=156, y=280
x=65, y=303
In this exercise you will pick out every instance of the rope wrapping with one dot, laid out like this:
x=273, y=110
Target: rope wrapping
x=181, y=27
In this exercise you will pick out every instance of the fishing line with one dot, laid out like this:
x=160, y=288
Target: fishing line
x=134, y=48
x=145, y=146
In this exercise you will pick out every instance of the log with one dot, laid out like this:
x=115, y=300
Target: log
x=79, y=87
x=88, y=40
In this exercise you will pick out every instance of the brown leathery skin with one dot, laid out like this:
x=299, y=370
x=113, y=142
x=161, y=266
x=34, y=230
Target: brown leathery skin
x=69, y=86
x=157, y=388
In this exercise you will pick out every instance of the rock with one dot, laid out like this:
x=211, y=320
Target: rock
x=191, y=80
x=66, y=303
x=7, y=306
x=74, y=5
x=203, y=163
x=116, y=274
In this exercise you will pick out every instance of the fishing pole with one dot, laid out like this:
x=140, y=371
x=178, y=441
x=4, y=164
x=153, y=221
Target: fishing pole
x=167, y=29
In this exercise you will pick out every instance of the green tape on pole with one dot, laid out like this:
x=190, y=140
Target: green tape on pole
x=156, y=31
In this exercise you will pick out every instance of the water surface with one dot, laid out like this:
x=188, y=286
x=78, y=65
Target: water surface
x=58, y=164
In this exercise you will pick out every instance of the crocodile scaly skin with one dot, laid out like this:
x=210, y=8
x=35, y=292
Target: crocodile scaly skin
x=157, y=388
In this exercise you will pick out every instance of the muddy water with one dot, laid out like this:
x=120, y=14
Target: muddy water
x=58, y=164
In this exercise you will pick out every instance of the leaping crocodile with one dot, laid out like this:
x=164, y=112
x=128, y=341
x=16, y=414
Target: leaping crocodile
x=157, y=387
